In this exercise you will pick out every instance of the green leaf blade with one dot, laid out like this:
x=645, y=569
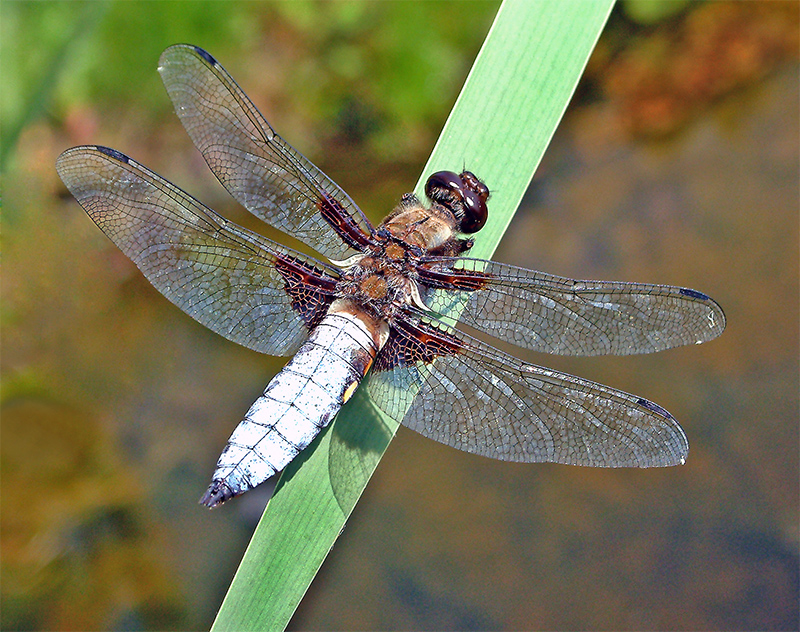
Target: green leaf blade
x=499, y=128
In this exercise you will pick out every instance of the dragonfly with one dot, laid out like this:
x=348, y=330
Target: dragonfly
x=383, y=300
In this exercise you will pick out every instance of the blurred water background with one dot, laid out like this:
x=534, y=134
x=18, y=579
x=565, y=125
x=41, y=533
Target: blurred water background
x=677, y=163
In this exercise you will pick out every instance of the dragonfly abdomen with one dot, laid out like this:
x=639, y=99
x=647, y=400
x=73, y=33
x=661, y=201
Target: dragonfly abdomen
x=298, y=403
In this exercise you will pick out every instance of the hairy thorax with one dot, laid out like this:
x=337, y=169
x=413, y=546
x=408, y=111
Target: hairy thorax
x=384, y=279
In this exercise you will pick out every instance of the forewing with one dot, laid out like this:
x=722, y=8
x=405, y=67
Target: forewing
x=260, y=170
x=473, y=397
x=231, y=280
x=554, y=314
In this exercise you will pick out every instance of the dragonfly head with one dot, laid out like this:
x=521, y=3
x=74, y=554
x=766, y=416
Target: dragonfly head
x=463, y=194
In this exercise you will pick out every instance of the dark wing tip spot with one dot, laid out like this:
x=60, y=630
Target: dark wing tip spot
x=652, y=406
x=694, y=294
x=113, y=153
x=205, y=55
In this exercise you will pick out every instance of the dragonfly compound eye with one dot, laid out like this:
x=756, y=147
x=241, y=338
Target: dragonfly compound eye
x=442, y=186
x=475, y=212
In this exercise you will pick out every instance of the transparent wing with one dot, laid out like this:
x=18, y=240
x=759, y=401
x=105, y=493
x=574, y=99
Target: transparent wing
x=554, y=314
x=259, y=169
x=468, y=395
x=227, y=278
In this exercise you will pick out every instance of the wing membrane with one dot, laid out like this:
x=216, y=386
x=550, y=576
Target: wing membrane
x=258, y=168
x=477, y=399
x=222, y=275
x=544, y=312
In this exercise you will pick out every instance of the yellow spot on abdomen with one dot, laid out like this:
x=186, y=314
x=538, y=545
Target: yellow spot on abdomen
x=348, y=393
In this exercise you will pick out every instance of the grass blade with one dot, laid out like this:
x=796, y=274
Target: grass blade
x=499, y=128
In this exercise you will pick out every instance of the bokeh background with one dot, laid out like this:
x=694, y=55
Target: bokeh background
x=677, y=163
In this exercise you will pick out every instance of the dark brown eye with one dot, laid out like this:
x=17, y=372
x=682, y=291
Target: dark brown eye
x=463, y=195
x=472, y=182
x=443, y=185
x=475, y=212
x=475, y=194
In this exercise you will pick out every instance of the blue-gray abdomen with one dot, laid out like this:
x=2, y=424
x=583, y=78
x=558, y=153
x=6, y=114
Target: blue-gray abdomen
x=299, y=402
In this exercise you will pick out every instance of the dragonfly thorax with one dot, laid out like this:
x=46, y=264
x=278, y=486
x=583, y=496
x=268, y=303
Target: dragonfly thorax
x=379, y=284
